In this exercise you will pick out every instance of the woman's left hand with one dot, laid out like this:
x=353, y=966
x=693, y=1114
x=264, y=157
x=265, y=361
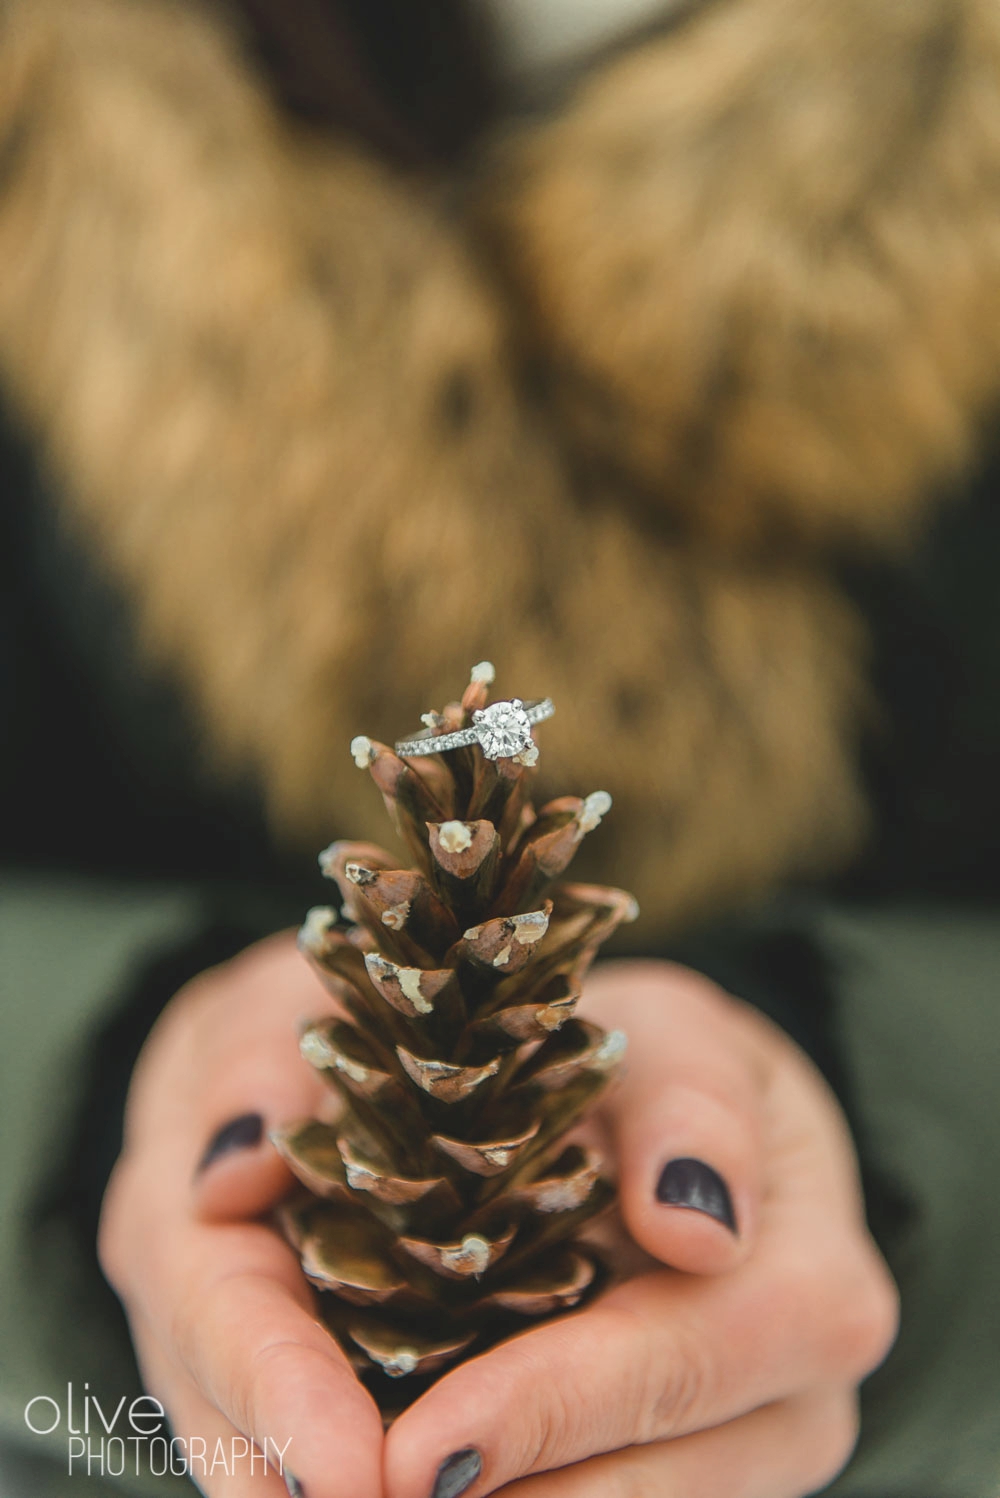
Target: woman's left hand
x=731, y=1374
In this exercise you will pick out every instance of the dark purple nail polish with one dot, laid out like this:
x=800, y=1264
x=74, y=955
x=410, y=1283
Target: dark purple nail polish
x=241, y=1133
x=692, y=1183
x=458, y=1473
x=295, y=1488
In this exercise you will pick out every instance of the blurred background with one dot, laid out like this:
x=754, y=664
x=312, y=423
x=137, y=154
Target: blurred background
x=649, y=348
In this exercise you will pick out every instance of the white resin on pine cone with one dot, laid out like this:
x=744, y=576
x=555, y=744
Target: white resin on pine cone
x=454, y=837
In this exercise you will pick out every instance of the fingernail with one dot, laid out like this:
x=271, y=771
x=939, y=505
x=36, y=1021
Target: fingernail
x=458, y=1473
x=295, y=1488
x=692, y=1183
x=238, y=1134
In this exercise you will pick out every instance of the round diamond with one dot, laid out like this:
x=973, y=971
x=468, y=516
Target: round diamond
x=503, y=730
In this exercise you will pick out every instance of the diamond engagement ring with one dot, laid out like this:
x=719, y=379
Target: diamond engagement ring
x=501, y=730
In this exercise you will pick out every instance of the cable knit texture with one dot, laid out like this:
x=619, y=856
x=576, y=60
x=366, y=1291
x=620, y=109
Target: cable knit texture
x=753, y=266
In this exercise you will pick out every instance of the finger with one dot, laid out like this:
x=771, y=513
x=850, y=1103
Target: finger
x=687, y=1118
x=240, y=1173
x=668, y=1354
x=229, y=1041
x=241, y=1320
x=221, y=1461
x=260, y=1082
x=260, y=1355
x=653, y=1359
x=782, y=1451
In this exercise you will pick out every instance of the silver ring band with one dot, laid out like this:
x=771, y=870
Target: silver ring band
x=501, y=730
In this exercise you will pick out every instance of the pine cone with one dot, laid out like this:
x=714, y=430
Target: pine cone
x=441, y=1208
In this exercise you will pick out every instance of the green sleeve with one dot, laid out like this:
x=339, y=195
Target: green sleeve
x=919, y=1018
x=69, y=951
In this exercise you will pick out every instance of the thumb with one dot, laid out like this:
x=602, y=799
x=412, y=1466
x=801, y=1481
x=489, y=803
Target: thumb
x=240, y=1173
x=687, y=1117
x=252, y=1080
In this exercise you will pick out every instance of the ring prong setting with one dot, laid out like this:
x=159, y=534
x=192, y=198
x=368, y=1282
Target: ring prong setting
x=503, y=729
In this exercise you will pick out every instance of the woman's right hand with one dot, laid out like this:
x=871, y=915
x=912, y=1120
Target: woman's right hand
x=221, y=1316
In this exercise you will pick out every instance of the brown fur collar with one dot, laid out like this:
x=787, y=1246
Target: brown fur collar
x=761, y=259
x=280, y=391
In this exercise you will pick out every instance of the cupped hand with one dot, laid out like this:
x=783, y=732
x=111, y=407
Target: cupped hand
x=222, y=1319
x=733, y=1373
